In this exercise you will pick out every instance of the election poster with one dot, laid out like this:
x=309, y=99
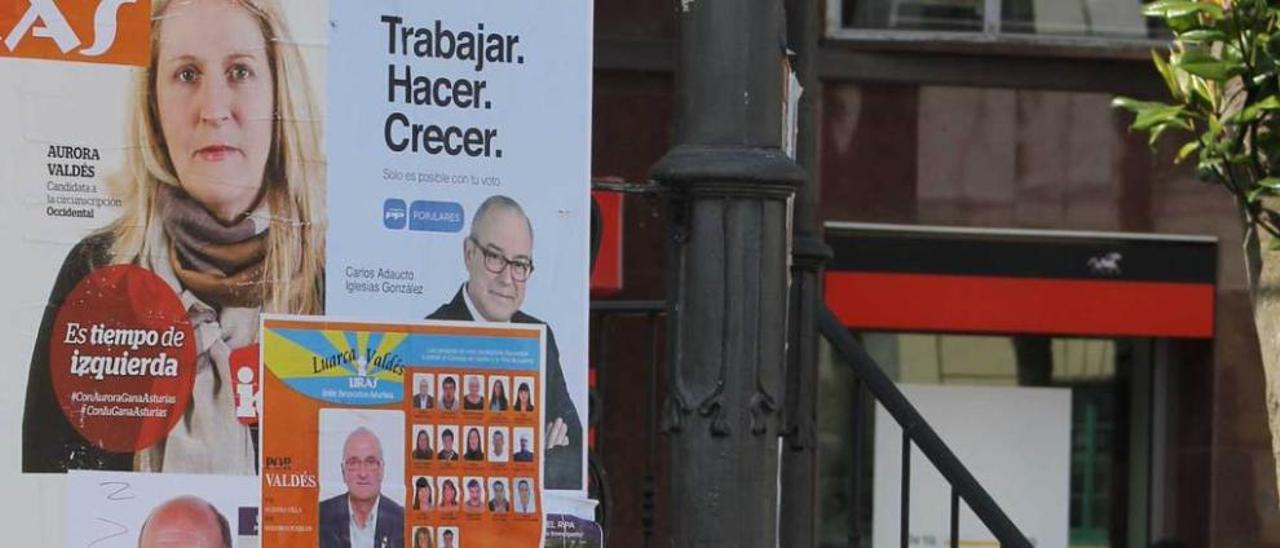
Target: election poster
x=163, y=175
x=127, y=510
x=173, y=169
x=421, y=433
x=459, y=176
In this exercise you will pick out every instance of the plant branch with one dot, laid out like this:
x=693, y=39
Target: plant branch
x=1245, y=51
x=1268, y=219
x=1233, y=186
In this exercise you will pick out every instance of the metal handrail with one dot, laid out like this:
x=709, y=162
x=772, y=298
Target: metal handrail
x=915, y=429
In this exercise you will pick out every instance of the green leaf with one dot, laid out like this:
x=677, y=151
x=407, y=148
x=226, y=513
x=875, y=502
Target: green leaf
x=1202, y=36
x=1264, y=187
x=1215, y=128
x=1251, y=112
x=1161, y=125
x=1209, y=67
x=1134, y=105
x=1179, y=8
x=1272, y=183
x=1198, y=98
x=1166, y=72
x=1155, y=134
x=1187, y=22
x=1202, y=88
x=1238, y=159
x=1149, y=118
x=1150, y=113
x=1205, y=172
x=1186, y=151
x=1258, y=192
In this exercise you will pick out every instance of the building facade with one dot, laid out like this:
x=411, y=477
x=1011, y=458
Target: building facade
x=979, y=115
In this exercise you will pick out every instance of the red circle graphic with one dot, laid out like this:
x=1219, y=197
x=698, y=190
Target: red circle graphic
x=122, y=358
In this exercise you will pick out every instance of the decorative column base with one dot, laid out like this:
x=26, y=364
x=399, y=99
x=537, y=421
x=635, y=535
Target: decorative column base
x=730, y=243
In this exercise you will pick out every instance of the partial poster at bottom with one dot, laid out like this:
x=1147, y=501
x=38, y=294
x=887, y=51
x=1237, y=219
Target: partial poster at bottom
x=128, y=510
x=401, y=435
x=568, y=531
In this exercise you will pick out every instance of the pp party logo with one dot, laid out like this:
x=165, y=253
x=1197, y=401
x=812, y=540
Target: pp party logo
x=103, y=31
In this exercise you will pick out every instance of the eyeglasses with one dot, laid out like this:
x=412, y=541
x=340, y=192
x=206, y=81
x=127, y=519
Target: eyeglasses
x=495, y=262
x=367, y=463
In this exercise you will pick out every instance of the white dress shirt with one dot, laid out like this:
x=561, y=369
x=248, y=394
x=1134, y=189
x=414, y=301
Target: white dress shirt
x=471, y=307
x=362, y=537
x=524, y=508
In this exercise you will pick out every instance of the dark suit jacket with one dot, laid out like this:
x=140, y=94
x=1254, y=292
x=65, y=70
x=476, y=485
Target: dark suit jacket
x=562, y=468
x=335, y=520
x=418, y=401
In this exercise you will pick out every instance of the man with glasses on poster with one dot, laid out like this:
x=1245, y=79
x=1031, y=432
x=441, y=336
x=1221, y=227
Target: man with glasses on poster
x=362, y=517
x=498, y=254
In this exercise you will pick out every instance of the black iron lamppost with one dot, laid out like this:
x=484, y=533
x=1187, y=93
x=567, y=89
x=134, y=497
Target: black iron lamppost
x=731, y=187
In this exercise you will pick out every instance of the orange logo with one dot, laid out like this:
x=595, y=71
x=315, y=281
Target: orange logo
x=93, y=31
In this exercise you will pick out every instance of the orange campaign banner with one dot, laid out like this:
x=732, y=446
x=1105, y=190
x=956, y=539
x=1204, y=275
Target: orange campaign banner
x=105, y=31
x=401, y=435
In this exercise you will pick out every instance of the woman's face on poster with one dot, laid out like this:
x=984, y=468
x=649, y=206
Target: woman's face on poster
x=522, y=395
x=423, y=442
x=215, y=101
x=473, y=440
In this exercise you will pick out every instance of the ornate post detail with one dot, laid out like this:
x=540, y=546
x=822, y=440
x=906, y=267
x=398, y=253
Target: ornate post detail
x=730, y=187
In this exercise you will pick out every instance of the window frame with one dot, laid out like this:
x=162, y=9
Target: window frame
x=990, y=37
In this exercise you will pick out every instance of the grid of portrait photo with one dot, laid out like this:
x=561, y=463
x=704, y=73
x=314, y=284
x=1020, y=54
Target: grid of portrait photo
x=472, y=451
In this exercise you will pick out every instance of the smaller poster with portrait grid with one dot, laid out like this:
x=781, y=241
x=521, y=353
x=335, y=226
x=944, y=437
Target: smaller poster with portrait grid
x=401, y=434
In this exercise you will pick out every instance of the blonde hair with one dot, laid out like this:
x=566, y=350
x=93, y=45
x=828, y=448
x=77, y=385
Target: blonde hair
x=293, y=179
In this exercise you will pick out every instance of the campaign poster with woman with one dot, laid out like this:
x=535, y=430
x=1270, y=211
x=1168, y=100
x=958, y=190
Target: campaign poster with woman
x=169, y=171
x=221, y=218
x=165, y=185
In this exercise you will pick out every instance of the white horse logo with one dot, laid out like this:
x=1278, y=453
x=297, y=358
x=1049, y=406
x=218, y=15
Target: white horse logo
x=1106, y=265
